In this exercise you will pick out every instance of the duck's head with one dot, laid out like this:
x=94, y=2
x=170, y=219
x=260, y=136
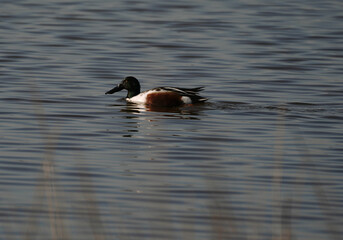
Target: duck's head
x=131, y=84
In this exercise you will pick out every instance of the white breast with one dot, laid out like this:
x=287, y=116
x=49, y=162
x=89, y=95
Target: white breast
x=141, y=98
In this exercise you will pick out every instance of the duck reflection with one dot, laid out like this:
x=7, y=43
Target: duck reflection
x=181, y=112
x=144, y=121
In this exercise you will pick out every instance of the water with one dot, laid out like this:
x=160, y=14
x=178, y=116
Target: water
x=261, y=160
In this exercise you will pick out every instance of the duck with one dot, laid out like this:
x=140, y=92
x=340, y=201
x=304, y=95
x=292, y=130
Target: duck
x=159, y=96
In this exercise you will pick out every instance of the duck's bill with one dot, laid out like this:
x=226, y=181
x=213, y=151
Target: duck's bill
x=117, y=88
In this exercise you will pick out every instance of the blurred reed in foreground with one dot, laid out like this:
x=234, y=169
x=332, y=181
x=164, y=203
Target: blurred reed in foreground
x=49, y=204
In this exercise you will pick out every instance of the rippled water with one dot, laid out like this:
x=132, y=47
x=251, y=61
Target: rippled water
x=262, y=159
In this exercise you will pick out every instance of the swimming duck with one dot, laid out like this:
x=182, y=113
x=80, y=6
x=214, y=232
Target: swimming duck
x=160, y=96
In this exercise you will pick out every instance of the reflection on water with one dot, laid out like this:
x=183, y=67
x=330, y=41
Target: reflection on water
x=182, y=112
x=260, y=160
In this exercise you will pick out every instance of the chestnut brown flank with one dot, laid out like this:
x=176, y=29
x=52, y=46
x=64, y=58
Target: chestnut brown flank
x=166, y=99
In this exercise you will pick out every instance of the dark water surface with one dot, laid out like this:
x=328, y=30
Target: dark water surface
x=261, y=160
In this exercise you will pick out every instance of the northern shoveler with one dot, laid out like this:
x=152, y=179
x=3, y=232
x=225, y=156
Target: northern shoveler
x=160, y=96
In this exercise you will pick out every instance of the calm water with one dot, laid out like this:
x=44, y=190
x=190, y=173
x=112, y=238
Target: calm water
x=261, y=160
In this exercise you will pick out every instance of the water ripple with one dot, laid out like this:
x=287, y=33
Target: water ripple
x=265, y=148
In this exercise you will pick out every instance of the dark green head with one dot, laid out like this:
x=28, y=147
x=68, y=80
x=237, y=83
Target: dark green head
x=131, y=84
